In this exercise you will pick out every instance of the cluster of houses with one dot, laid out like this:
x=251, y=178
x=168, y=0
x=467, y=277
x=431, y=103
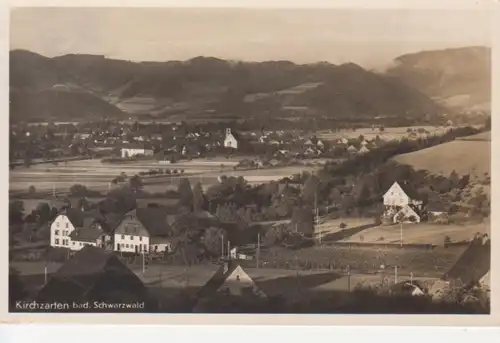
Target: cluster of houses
x=142, y=230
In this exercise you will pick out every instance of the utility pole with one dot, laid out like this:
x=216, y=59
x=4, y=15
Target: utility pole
x=411, y=279
x=45, y=273
x=228, y=250
x=222, y=246
x=349, y=278
x=401, y=233
x=258, y=249
x=143, y=264
x=395, y=274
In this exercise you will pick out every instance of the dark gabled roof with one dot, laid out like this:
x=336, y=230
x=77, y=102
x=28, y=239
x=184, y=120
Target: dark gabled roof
x=218, y=279
x=91, y=274
x=154, y=220
x=236, y=135
x=75, y=216
x=81, y=218
x=86, y=234
x=409, y=190
x=474, y=263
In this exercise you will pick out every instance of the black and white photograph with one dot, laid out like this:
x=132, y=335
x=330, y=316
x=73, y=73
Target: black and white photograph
x=249, y=160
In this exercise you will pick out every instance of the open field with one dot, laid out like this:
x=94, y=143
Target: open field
x=464, y=156
x=389, y=133
x=97, y=175
x=273, y=282
x=422, y=233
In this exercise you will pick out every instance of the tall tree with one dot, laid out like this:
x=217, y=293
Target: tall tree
x=214, y=239
x=303, y=220
x=43, y=210
x=198, y=197
x=309, y=192
x=185, y=193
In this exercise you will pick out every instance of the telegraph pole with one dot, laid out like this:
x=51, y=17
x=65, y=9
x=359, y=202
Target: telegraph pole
x=349, y=278
x=222, y=246
x=401, y=233
x=258, y=249
x=395, y=274
x=143, y=263
x=228, y=250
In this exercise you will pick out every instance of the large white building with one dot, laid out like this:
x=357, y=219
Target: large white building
x=73, y=229
x=143, y=230
x=131, y=152
x=231, y=139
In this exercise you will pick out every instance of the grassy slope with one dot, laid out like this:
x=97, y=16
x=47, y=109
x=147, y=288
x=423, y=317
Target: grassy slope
x=463, y=156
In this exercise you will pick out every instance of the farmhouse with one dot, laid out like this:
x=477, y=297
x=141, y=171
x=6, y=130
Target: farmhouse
x=231, y=139
x=402, y=203
x=143, y=230
x=400, y=195
x=131, y=151
x=84, y=227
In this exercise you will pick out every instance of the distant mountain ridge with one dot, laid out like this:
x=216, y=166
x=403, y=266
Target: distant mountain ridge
x=82, y=86
x=458, y=78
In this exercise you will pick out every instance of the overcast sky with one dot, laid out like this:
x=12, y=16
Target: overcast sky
x=368, y=37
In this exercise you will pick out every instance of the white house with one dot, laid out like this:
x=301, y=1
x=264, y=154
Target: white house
x=230, y=141
x=397, y=196
x=363, y=150
x=131, y=152
x=61, y=228
x=352, y=150
x=73, y=229
x=142, y=230
x=402, y=203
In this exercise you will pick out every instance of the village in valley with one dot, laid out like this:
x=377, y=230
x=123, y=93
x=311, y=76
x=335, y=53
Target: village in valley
x=289, y=191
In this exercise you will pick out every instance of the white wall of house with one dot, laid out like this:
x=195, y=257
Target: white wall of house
x=130, y=152
x=60, y=230
x=128, y=243
x=230, y=141
x=160, y=247
x=77, y=245
x=395, y=196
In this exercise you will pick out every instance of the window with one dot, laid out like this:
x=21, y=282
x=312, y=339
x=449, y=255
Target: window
x=73, y=243
x=140, y=238
x=67, y=225
x=123, y=236
x=126, y=245
x=57, y=224
x=131, y=238
x=56, y=241
x=56, y=232
x=145, y=247
x=81, y=243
